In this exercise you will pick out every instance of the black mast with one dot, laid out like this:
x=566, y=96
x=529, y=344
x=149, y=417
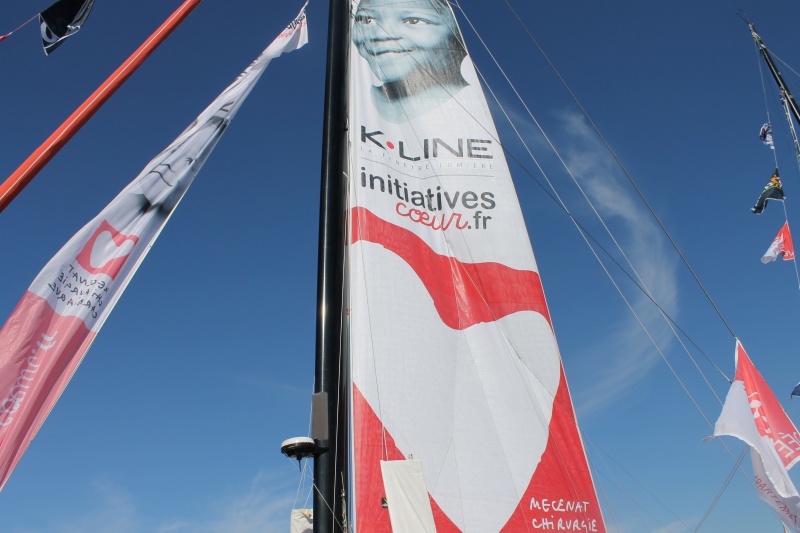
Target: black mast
x=785, y=93
x=330, y=465
x=786, y=96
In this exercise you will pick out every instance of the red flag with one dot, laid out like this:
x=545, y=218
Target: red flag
x=782, y=245
x=753, y=414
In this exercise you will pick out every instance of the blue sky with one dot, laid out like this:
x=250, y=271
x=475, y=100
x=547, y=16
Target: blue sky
x=173, y=422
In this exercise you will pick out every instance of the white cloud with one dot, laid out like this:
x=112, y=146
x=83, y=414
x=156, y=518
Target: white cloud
x=626, y=354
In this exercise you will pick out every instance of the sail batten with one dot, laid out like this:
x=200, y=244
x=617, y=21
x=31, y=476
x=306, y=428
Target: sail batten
x=453, y=358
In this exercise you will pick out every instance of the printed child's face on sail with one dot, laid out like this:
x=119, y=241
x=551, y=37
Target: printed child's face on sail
x=406, y=39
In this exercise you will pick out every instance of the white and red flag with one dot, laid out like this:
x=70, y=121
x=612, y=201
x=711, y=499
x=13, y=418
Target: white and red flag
x=753, y=414
x=45, y=338
x=781, y=246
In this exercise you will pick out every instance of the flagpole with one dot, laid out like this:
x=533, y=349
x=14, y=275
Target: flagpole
x=39, y=158
x=18, y=27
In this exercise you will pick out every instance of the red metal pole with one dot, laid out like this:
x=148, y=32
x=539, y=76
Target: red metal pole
x=38, y=159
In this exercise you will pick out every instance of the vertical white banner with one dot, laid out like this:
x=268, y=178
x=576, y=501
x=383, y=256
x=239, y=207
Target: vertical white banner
x=45, y=338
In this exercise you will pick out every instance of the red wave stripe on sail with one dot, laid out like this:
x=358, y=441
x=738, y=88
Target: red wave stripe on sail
x=464, y=294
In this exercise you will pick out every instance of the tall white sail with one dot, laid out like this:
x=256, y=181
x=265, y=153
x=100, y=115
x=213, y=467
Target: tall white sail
x=454, y=362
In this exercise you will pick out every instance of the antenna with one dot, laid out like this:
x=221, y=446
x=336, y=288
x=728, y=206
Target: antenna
x=298, y=448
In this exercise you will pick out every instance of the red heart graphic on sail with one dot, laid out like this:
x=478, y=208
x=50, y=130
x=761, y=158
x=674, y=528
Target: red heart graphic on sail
x=106, y=250
x=442, y=394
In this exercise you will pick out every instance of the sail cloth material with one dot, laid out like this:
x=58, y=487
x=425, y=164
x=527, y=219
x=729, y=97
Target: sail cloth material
x=302, y=521
x=407, y=498
x=52, y=327
x=782, y=246
x=773, y=190
x=61, y=20
x=753, y=414
x=453, y=356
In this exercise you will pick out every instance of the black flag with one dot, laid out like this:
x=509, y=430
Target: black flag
x=772, y=191
x=62, y=19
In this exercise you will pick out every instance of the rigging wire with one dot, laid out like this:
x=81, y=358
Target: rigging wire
x=328, y=505
x=642, y=485
x=614, y=282
x=622, y=167
x=302, y=465
x=342, y=383
x=562, y=205
x=636, y=505
x=582, y=230
x=640, y=283
x=18, y=27
x=605, y=496
x=723, y=488
x=784, y=63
